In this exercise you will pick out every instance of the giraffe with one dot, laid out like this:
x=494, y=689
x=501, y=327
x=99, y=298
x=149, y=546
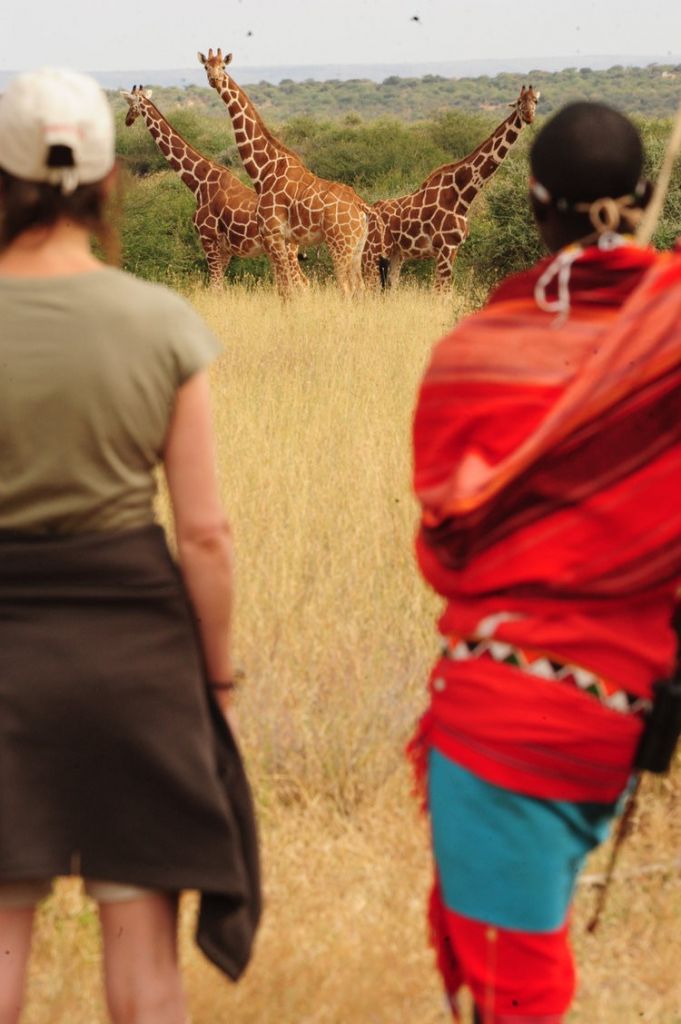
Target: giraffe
x=293, y=203
x=433, y=220
x=225, y=216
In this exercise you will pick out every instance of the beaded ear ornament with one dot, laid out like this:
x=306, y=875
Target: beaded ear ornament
x=606, y=216
x=605, y=213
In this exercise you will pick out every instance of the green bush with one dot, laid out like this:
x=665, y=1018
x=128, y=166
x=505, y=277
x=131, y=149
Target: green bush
x=359, y=153
x=457, y=133
x=159, y=240
x=211, y=136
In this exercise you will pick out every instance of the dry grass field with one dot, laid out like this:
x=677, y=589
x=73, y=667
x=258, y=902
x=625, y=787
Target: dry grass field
x=313, y=404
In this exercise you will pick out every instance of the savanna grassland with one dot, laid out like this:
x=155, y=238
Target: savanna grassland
x=313, y=403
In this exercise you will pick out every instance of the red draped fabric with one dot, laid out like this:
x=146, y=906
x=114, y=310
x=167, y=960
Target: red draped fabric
x=547, y=461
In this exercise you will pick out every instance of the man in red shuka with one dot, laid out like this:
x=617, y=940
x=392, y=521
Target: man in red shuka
x=547, y=460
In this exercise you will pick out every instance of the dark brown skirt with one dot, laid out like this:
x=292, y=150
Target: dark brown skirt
x=115, y=763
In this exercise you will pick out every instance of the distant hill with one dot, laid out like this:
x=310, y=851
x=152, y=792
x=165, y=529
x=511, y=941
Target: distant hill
x=653, y=91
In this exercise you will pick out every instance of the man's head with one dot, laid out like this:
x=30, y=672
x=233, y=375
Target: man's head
x=585, y=153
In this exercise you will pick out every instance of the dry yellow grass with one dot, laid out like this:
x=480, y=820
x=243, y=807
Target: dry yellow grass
x=313, y=406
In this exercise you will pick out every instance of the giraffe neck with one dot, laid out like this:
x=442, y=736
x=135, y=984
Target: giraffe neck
x=191, y=165
x=471, y=173
x=257, y=147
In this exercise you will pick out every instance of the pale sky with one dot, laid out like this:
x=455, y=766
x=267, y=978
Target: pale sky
x=88, y=35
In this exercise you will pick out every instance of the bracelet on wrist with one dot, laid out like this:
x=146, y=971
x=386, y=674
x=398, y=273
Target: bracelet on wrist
x=227, y=685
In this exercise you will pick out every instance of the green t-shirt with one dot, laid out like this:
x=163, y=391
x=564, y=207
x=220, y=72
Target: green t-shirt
x=89, y=368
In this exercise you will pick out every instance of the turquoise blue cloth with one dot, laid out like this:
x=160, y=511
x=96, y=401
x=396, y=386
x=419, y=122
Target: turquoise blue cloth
x=504, y=858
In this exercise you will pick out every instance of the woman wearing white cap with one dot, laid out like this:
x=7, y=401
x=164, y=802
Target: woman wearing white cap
x=115, y=761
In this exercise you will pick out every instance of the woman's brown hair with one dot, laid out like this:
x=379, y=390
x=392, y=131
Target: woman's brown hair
x=30, y=204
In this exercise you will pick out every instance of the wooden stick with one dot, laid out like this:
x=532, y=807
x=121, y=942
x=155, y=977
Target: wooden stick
x=646, y=228
x=623, y=830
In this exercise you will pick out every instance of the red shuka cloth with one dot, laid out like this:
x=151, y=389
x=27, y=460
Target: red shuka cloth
x=547, y=461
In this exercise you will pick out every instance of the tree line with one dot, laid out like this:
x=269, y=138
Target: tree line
x=654, y=91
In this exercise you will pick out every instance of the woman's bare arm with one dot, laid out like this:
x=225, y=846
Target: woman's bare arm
x=204, y=541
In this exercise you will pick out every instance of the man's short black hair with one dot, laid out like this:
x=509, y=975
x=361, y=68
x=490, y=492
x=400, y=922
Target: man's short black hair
x=587, y=151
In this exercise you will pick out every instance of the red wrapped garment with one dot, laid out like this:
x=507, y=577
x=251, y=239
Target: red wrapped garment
x=548, y=467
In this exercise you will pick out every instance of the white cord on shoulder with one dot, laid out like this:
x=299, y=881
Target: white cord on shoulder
x=560, y=268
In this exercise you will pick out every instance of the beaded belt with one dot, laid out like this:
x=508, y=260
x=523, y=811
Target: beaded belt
x=537, y=664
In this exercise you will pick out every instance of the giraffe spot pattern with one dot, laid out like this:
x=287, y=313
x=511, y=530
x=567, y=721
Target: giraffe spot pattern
x=432, y=220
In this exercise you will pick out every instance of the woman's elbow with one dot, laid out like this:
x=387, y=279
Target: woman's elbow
x=209, y=538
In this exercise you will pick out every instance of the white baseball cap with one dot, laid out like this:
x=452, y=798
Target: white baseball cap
x=56, y=107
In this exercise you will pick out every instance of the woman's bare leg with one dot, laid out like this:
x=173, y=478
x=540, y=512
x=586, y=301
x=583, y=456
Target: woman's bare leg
x=16, y=927
x=141, y=969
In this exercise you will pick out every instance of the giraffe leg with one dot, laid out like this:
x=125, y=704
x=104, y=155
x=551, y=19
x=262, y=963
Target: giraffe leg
x=371, y=265
x=214, y=245
x=444, y=269
x=346, y=255
x=376, y=253
x=395, y=269
x=226, y=253
x=218, y=260
x=276, y=248
x=355, y=279
x=342, y=267
x=355, y=269
x=297, y=276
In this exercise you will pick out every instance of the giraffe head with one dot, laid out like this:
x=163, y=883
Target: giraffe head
x=135, y=100
x=216, y=67
x=526, y=104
